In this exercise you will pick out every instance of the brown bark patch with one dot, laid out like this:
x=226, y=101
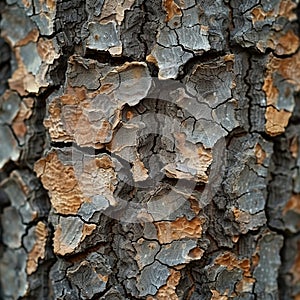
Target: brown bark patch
x=196, y=157
x=38, y=250
x=287, y=9
x=72, y=108
x=288, y=68
x=229, y=260
x=151, y=59
x=179, y=229
x=115, y=10
x=19, y=126
x=245, y=285
x=258, y=14
x=87, y=230
x=277, y=120
x=46, y=50
x=22, y=81
x=172, y=9
x=287, y=44
x=104, y=162
x=51, y=4
x=194, y=205
x=32, y=36
x=217, y=296
x=139, y=171
x=295, y=270
x=270, y=90
x=58, y=246
x=255, y=260
x=26, y=3
x=168, y=291
x=293, y=204
x=60, y=180
x=196, y=253
x=241, y=216
x=260, y=154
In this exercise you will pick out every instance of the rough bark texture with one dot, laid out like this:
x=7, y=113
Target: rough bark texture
x=149, y=149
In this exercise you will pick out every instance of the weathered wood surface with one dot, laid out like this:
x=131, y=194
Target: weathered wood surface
x=149, y=149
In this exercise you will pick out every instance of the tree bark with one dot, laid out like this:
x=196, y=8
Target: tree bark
x=150, y=149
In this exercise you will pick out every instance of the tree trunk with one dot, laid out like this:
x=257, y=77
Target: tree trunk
x=149, y=149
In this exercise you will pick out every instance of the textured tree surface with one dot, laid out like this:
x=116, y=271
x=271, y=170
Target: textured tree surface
x=149, y=149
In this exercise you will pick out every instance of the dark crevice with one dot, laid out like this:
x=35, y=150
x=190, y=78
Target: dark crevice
x=5, y=65
x=87, y=150
x=206, y=57
x=106, y=58
x=58, y=70
x=280, y=188
x=5, y=58
x=9, y=167
x=248, y=93
x=80, y=256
